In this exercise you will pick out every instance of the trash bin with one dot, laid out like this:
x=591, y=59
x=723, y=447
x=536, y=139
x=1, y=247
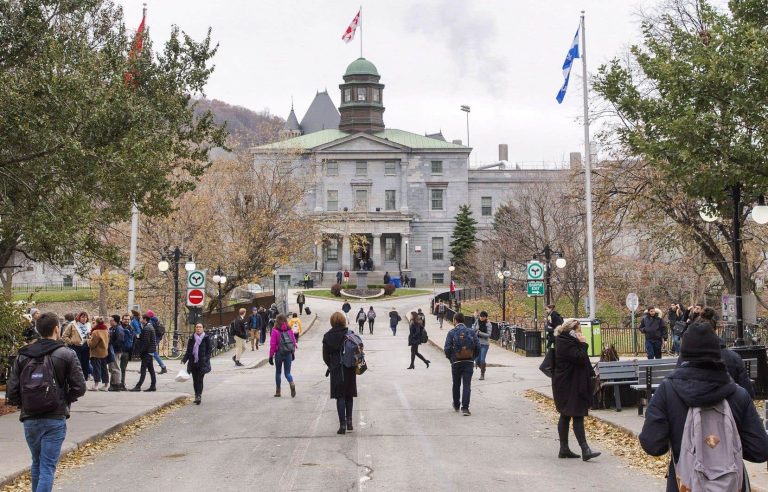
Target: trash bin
x=761, y=382
x=413, y=283
x=395, y=281
x=591, y=332
x=495, y=331
x=532, y=343
x=310, y=283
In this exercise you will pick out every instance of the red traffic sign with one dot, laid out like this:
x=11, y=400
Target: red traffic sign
x=195, y=297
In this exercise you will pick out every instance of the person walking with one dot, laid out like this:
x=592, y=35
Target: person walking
x=136, y=325
x=343, y=378
x=572, y=387
x=701, y=381
x=116, y=348
x=483, y=330
x=128, y=343
x=422, y=317
x=346, y=277
x=198, y=359
x=147, y=347
x=98, y=344
x=301, y=300
x=652, y=326
x=282, y=352
x=461, y=348
x=415, y=330
x=159, y=334
x=263, y=326
x=394, y=319
x=387, y=278
x=45, y=419
x=339, y=277
x=254, y=327
x=346, y=308
x=371, y=318
x=441, y=307
x=83, y=353
x=241, y=335
x=361, y=318
x=296, y=326
x=553, y=321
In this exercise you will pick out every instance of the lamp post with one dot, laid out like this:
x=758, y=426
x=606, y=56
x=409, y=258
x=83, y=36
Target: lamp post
x=560, y=263
x=274, y=282
x=759, y=215
x=503, y=275
x=450, y=281
x=466, y=109
x=220, y=279
x=163, y=265
x=406, y=254
x=317, y=243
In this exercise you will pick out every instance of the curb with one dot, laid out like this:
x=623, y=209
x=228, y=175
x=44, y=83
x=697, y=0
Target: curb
x=72, y=447
x=264, y=361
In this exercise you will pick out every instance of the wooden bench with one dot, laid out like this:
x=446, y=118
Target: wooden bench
x=616, y=374
x=651, y=376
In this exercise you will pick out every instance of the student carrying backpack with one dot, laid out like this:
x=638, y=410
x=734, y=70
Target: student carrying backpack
x=352, y=353
x=461, y=347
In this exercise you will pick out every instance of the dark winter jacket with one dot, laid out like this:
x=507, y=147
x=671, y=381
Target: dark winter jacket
x=128, y=337
x=554, y=320
x=696, y=385
x=300, y=298
x=653, y=327
x=254, y=321
x=346, y=307
x=117, y=339
x=343, y=379
x=572, y=377
x=241, y=327
x=203, y=354
x=394, y=318
x=414, y=334
x=69, y=376
x=147, y=340
x=448, y=347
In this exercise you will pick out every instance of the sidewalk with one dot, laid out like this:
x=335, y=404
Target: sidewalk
x=529, y=377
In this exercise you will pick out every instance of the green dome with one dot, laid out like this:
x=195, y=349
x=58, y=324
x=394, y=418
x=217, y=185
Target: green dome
x=361, y=66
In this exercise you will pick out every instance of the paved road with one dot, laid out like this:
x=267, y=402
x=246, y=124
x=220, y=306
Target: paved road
x=407, y=436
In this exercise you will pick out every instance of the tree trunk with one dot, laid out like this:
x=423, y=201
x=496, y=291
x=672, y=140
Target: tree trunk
x=103, y=290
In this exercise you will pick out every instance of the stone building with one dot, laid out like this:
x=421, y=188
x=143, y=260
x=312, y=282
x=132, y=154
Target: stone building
x=399, y=190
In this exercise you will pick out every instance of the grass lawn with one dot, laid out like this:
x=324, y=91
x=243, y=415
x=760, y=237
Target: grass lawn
x=67, y=295
x=326, y=294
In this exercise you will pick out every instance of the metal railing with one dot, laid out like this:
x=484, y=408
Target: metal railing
x=60, y=285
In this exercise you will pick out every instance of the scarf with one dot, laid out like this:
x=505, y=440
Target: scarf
x=196, y=348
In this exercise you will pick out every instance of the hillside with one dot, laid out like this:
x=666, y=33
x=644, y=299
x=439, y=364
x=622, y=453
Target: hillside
x=246, y=127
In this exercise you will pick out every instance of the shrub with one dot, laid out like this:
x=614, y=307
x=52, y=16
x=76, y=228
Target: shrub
x=336, y=290
x=389, y=289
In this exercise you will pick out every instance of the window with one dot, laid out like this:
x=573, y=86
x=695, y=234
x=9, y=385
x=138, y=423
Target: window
x=436, y=196
x=437, y=167
x=332, y=168
x=437, y=248
x=361, y=168
x=332, y=250
x=68, y=281
x=389, y=200
x=361, y=93
x=486, y=206
x=361, y=199
x=390, y=253
x=390, y=168
x=375, y=94
x=347, y=94
x=333, y=201
x=438, y=278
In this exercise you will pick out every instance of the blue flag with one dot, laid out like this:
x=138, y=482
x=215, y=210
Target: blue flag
x=573, y=52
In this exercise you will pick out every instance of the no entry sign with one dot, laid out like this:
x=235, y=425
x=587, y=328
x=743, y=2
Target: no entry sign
x=195, y=297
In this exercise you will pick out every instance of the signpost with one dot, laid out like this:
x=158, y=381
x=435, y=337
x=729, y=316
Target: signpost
x=535, y=272
x=195, y=288
x=633, y=302
x=195, y=297
x=536, y=288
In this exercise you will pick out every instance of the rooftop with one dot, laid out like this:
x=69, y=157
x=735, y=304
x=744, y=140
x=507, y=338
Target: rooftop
x=401, y=137
x=361, y=66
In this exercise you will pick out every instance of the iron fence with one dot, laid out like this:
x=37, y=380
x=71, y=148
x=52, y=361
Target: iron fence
x=60, y=285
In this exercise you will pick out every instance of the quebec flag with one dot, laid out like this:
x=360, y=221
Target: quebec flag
x=573, y=52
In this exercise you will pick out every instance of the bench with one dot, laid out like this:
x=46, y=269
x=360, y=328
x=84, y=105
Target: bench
x=624, y=373
x=651, y=375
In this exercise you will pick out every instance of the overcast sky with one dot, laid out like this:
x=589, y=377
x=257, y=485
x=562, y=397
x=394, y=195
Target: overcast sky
x=502, y=58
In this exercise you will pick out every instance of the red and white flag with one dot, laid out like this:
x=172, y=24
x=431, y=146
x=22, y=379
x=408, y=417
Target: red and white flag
x=136, y=47
x=349, y=34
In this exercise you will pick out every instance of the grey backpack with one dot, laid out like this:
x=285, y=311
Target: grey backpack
x=710, y=451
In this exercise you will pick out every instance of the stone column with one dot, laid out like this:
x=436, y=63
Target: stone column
x=376, y=252
x=404, y=186
x=345, y=253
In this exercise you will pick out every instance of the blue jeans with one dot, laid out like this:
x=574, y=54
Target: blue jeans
x=676, y=344
x=156, y=355
x=283, y=360
x=462, y=382
x=44, y=438
x=481, y=356
x=100, y=370
x=653, y=348
x=394, y=329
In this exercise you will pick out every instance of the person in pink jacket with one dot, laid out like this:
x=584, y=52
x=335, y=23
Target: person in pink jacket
x=282, y=352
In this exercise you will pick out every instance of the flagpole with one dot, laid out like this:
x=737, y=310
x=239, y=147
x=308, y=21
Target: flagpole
x=588, y=176
x=361, y=31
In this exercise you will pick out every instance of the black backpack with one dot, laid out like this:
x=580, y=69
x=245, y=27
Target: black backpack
x=40, y=393
x=159, y=330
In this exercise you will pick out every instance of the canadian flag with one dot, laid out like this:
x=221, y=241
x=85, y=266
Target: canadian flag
x=349, y=34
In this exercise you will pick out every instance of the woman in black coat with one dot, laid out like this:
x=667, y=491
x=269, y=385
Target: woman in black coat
x=414, y=339
x=343, y=379
x=198, y=359
x=571, y=387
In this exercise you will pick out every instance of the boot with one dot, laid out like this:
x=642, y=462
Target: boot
x=151, y=388
x=198, y=398
x=135, y=388
x=277, y=392
x=482, y=371
x=293, y=389
x=342, y=428
x=586, y=453
x=349, y=424
x=565, y=451
x=163, y=370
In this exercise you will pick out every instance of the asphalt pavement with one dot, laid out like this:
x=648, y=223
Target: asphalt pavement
x=406, y=437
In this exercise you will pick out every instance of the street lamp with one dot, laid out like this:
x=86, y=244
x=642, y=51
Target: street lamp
x=274, y=283
x=559, y=263
x=317, y=243
x=164, y=265
x=503, y=275
x=406, y=254
x=450, y=280
x=220, y=279
x=466, y=109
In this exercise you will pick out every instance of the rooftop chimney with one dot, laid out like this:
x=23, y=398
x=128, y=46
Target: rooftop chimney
x=503, y=152
x=457, y=142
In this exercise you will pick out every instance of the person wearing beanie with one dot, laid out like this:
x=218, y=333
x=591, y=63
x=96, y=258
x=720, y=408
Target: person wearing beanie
x=701, y=380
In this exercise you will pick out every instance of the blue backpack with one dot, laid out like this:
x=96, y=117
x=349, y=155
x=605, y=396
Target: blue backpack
x=464, y=343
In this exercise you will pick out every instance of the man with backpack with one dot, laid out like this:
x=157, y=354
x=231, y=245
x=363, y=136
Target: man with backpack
x=46, y=378
x=461, y=348
x=705, y=418
x=240, y=331
x=159, y=334
x=394, y=319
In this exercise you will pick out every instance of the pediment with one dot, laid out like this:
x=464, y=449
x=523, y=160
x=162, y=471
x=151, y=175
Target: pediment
x=361, y=142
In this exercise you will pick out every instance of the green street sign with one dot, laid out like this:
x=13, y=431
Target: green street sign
x=196, y=279
x=535, y=270
x=535, y=289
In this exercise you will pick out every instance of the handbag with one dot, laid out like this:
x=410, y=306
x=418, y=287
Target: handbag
x=548, y=364
x=183, y=376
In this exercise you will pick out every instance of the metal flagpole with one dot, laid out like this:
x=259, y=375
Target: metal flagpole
x=360, y=21
x=588, y=176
